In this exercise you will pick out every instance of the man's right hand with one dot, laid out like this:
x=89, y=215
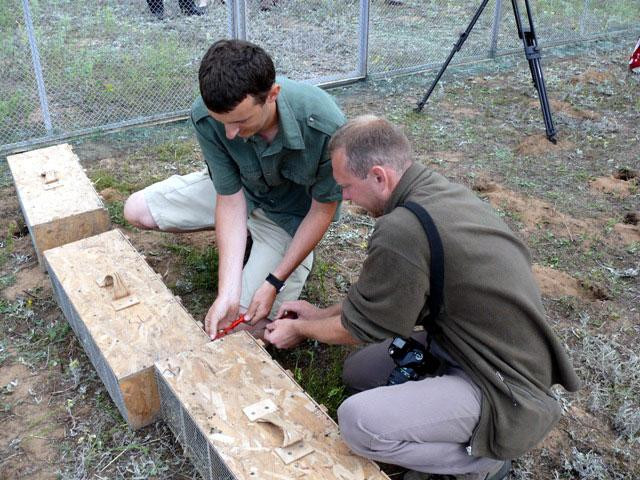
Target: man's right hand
x=220, y=315
x=300, y=309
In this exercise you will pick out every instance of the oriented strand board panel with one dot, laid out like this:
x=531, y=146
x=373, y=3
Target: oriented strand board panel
x=123, y=336
x=211, y=395
x=58, y=201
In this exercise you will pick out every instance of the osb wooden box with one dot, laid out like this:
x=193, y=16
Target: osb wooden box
x=124, y=316
x=58, y=201
x=241, y=416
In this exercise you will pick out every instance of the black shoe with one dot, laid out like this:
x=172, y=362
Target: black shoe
x=188, y=7
x=156, y=7
x=266, y=5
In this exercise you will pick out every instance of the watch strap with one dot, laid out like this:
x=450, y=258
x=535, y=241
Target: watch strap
x=276, y=282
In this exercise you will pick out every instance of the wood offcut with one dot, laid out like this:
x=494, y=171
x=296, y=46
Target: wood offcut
x=57, y=199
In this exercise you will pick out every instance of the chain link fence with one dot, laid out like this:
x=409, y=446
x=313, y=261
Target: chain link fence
x=70, y=68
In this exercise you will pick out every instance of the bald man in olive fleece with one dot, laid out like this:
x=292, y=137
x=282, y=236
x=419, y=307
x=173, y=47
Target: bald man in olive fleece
x=493, y=402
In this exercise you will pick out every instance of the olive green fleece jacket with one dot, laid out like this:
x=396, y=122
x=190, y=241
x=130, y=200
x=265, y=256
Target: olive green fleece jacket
x=492, y=322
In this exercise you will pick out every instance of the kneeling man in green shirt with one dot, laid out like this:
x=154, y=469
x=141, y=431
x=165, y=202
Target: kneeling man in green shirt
x=472, y=390
x=264, y=141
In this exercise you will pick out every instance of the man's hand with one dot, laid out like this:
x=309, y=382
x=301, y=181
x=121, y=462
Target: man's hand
x=220, y=315
x=283, y=333
x=300, y=309
x=261, y=303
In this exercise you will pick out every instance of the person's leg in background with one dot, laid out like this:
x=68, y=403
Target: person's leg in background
x=180, y=203
x=156, y=7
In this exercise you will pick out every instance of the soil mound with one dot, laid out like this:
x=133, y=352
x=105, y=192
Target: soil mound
x=539, y=144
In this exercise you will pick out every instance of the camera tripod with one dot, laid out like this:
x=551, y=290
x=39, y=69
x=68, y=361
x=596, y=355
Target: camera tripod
x=531, y=51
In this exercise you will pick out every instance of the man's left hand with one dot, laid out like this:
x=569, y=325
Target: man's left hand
x=283, y=333
x=261, y=303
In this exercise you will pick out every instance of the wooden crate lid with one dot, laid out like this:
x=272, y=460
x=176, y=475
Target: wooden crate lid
x=133, y=338
x=66, y=192
x=215, y=384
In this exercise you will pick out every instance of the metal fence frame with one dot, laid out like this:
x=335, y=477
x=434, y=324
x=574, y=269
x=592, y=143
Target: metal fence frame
x=236, y=26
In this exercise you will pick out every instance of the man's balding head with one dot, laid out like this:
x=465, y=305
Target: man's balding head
x=369, y=140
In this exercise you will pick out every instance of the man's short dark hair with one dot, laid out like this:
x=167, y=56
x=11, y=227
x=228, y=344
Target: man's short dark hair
x=231, y=70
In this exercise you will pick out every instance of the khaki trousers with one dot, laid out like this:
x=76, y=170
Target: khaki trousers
x=188, y=202
x=423, y=425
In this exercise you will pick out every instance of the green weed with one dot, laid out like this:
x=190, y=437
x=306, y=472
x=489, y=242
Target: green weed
x=316, y=289
x=201, y=268
x=13, y=106
x=7, y=280
x=103, y=179
x=318, y=370
x=116, y=212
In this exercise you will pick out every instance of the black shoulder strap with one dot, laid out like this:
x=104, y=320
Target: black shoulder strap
x=436, y=270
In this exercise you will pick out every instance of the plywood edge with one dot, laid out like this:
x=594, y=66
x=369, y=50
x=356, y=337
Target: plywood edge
x=141, y=398
x=65, y=230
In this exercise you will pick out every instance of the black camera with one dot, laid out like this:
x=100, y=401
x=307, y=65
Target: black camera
x=413, y=361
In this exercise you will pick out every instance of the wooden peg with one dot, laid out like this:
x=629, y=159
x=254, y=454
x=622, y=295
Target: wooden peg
x=122, y=297
x=49, y=176
x=51, y=179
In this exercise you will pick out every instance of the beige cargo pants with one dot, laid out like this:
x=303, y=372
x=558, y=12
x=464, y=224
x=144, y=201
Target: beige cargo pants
x=188, y=202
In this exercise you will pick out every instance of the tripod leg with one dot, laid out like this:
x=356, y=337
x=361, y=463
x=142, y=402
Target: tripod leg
x=532, y=53
x=456, y=48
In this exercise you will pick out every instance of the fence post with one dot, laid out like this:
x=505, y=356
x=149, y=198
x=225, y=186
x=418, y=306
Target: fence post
x=37, y=67
x=363, y=38
x=583, y=18
x=236, y=15
x=497, y=19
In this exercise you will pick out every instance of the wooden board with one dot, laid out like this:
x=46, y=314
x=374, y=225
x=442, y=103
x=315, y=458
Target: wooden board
x=205, y=395
x=57, y=199
x=122, y=343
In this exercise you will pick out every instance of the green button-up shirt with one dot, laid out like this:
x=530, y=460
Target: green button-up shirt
x=281, y=177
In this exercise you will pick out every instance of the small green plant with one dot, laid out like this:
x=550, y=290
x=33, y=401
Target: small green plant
x=7, y=280
x=58, y=332
x=318, y=370
x=201, y=267
x=103, y=179
x=116, y=212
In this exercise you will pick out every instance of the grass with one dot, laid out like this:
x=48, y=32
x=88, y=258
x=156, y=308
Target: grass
x=201, y=267
x=318, y=370
x=598, y=435
x=113, y=61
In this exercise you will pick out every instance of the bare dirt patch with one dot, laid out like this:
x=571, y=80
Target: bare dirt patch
x=447, y=156
x=31, y=430
x=612, y=185
x=539, y=145
x=531, y=211
x=463, y=112
x=592, y=76
x=569, y=110
x=26, y=279
x=628, y=233
x=112, y=195
x=554, y=283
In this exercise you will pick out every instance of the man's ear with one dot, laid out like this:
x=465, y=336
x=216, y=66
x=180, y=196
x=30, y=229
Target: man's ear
x=379, y=174
x=273, y=93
